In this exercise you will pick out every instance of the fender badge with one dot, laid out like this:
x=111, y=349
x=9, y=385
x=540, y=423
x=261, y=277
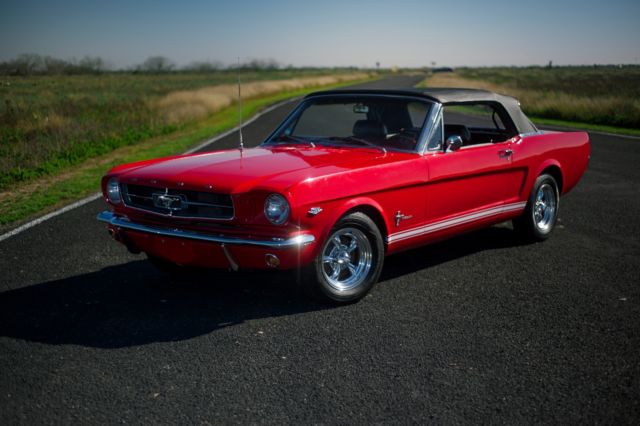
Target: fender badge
x=314, y=211
x=399, y=216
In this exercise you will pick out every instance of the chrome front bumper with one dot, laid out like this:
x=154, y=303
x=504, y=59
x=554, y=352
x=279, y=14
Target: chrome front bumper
x=274, y=243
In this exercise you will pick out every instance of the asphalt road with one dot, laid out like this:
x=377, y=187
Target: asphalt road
x=479, y=329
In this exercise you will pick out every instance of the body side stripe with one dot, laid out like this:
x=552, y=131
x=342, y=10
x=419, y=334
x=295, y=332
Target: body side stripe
x=460, y=220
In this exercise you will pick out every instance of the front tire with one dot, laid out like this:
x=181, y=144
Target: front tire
x=349, y=262
x=541, y=213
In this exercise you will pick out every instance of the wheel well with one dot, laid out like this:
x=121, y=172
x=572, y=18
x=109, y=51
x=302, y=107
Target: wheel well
x=557, y=175
x=375, y=215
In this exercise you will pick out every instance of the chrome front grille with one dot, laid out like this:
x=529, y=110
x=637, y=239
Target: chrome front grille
x=178, y=202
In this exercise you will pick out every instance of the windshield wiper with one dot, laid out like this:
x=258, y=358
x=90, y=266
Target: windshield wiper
x=289, y=138
x=358, y=140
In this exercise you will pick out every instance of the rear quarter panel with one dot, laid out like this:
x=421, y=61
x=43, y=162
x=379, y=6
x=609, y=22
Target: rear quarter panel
x=568, y=151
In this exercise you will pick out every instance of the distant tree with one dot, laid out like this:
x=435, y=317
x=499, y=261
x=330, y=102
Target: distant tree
x=30, y=64
x=259, y=64
x=27, y=64
x=92, y=64
x=204, y=66
x=56, y=66
x=157, y=64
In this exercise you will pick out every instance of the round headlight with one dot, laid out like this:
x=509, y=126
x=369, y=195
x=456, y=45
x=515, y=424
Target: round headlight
x=276, y=209
x=113, y=191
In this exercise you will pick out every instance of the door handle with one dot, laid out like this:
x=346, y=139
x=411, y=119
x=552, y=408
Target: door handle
x=506, y=153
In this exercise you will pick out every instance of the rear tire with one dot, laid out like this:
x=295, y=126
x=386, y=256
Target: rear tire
x=349, y=262
x=541, y=213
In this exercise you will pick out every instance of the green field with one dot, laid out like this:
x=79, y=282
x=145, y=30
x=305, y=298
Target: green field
x=49, y=123
x=60, y=134
x=597, y=95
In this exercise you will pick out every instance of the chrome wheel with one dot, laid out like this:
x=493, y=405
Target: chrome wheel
x=346, y=259
x=545, y=207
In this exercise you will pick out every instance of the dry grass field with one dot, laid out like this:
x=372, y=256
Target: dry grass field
x=607, y=96
x=184, y=105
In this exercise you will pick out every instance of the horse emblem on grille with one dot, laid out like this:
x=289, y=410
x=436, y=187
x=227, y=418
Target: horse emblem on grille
x=169, y=201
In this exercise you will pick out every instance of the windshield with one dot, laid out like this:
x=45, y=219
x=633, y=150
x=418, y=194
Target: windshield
x=381, y=122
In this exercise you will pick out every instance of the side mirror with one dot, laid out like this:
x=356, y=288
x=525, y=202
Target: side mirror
x=453, y=143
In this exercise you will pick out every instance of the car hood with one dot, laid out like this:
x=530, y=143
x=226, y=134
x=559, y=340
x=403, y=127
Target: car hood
x=236, y=171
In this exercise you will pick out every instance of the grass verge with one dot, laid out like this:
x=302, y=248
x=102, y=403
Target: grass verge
x=586, y=126
x=41, y=196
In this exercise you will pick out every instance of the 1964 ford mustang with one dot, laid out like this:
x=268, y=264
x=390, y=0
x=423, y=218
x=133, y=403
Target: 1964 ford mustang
x=349, y=177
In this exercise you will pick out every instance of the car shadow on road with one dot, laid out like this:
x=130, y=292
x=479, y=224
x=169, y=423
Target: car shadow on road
x=133, y=304
x=494, y=238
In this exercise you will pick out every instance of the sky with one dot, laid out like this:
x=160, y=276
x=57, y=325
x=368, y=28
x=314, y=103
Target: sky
x=327, y=32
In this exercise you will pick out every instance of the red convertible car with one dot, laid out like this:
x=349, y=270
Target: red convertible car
x=348, y=178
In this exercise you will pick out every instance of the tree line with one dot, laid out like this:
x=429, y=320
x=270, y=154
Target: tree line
x=34, y=64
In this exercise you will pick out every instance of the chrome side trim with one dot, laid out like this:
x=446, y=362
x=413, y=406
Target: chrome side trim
x=460, y=220
x=481, y=144
x=274, y=243
x=537, y=132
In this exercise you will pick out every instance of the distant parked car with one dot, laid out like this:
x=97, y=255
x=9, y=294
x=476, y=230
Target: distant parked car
x=349, y=177
x=441, y=69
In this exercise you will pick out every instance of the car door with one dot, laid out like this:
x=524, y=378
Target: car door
x=468, y=184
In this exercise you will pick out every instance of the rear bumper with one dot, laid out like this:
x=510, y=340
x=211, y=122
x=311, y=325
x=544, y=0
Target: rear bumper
x=198, y=249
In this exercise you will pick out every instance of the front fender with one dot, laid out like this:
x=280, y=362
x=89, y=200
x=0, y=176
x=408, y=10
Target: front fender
x=331, y=213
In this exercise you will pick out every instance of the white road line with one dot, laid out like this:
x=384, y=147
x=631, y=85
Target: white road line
x=97, y=195
x=48, y=216
x=246, y=123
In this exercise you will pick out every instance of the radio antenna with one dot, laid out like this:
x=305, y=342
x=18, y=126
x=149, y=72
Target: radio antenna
x=240, y=107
